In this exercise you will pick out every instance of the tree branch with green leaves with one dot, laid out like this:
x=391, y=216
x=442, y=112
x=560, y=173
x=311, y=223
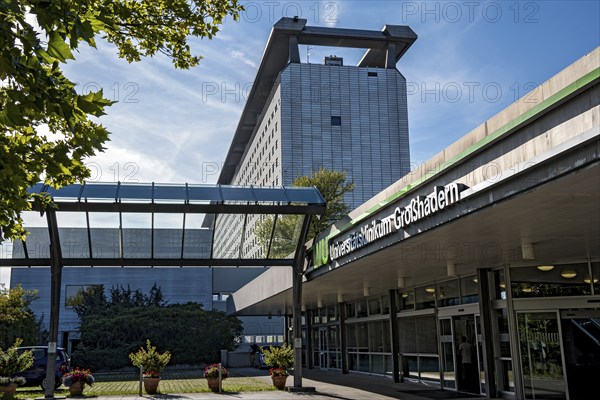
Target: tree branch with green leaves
x=283, y=239
x=48, y=129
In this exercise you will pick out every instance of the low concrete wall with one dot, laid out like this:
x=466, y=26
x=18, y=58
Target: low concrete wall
x=233, y=359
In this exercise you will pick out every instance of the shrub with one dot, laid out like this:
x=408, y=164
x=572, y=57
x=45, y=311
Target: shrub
x=149, y=359
x=12, y=362
x=107, y=339
x=280, y=357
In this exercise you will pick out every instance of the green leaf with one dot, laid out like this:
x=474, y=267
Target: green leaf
x=58, y=48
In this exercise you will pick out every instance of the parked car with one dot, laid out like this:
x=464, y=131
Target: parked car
x=36, y=374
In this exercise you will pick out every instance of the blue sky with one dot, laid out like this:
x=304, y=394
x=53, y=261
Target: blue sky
x=176, y=126
x=471, y=60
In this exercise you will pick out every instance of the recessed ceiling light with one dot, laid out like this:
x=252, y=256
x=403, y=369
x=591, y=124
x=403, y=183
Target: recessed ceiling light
x=527, y=290
x=430, y=290
x=568, y=274
x=588, y=280
x=545, y=268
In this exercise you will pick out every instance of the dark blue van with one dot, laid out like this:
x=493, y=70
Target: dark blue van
x=36, y=374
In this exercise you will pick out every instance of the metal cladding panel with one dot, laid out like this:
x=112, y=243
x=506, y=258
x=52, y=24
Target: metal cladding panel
x=371, y=144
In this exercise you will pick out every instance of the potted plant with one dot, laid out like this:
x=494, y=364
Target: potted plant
x=211, y=373
x=77, y=379
x=281, y=359
x=11, y=363
x=152, y=363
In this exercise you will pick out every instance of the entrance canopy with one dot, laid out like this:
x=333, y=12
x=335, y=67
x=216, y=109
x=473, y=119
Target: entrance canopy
x=167, y=225
x=127, y=224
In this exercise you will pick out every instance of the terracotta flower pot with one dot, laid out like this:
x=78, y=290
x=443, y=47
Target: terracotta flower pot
x=279, y=381
x=76, y=389
x=213, y=384
x=151, y=385
x=8, y=391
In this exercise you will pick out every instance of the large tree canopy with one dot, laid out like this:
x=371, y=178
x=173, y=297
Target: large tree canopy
x=47, y=130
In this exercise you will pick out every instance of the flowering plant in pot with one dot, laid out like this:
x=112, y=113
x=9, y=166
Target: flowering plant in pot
x=278, y=372
x=281, y=359
x=152, y=363
x=211, y=373
x=77, y=379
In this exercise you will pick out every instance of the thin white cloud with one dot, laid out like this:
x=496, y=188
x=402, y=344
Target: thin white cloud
x=239, y=55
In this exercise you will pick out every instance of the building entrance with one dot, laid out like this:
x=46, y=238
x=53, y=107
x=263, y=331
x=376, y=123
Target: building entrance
x=461, y=353
x=560, y=353
x=323, y=347
x=581, y=341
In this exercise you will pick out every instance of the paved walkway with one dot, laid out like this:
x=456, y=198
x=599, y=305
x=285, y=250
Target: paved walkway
x=329, y=385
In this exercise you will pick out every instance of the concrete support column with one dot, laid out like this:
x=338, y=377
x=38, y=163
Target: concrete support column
x=297, y=296
x=309, y=344
x=298, y=274
x=390, y=57
x=294, y=50
x=55, y=284
x=286, y=329
x=394, y=336
x=343, y=339
x=485, y=312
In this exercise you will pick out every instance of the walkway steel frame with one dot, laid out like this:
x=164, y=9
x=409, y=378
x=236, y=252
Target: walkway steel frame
x=181, y=199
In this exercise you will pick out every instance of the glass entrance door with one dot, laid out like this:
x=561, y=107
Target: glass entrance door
x=323, y=347
x=460, y=345
x=541, y=355
x=581, y=341
x=447, y=357
x=467, y=350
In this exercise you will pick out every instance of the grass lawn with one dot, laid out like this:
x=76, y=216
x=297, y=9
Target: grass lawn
x=166, y=386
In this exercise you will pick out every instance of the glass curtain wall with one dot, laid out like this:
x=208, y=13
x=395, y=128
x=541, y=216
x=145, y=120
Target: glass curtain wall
x=368, y=335
x=326, y=342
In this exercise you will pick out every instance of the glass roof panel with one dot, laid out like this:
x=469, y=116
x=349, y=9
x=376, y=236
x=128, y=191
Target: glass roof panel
x=34, y=219
x=65, y=192
x=266, y=194
x=197, y=243
x=38, y=239
x=6, y=249
x=129, y=192
x=73, y=234
x=71, y=219
x=228, y=235
x=237, y=194
x=204, y=193
x=286, y=236
x=170, y=192
x=197, y=221
x=74, y=242
x=37, y=242
x=103, y=191
x=35, y=188
x=137, y=235
x=258, y=235
x=304, y=195
x=168, y=235
x=104, y=233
